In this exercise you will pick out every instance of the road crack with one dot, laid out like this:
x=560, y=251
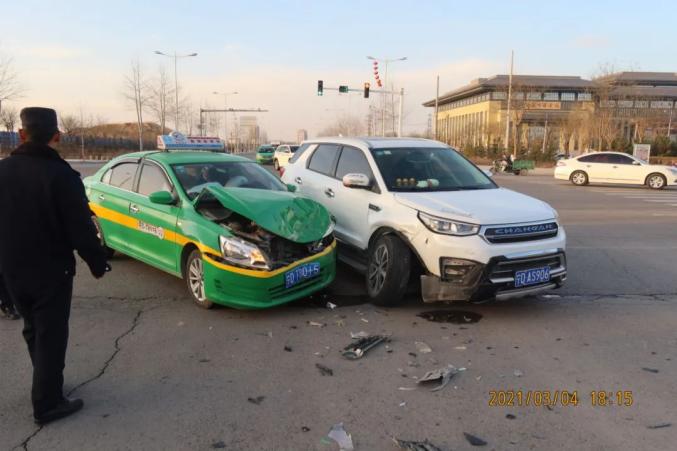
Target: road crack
x=102, y=371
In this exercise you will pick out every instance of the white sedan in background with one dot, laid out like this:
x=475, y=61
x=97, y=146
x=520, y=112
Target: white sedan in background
x=283, y=153
x=614, y=167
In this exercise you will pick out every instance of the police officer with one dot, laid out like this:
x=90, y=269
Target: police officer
x=45, y=217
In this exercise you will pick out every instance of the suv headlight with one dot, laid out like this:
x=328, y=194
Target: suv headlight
x=244, y=253
x=447, y=226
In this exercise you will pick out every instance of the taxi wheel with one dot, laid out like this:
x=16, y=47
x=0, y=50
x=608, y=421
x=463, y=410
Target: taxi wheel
x=388, y=271
x=195, y=279
x=99, y=233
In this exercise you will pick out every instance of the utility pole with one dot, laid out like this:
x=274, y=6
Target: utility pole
x=545, y=133
x=176, y=83
x=399, y=120
x=82, y=134
x=437, y=97
x=507, y=125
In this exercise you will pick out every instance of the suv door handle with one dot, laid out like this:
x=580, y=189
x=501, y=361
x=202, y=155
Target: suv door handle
x=298, y=180
x=329, y=192
x=102, y=197
x=133, y=208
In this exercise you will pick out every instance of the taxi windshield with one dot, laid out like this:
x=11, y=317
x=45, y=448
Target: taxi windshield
x=194, y=177
x=416, y=169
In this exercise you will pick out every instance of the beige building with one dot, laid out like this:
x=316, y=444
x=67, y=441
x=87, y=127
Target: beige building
x=573, y=113
x=301, y=135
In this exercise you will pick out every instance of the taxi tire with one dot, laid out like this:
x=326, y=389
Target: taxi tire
x=99, y=231
x=397, y=270
x=195, y=255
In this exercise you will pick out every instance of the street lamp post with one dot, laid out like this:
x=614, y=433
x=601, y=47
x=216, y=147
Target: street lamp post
x=385, y=82
x=225, y=113
x=176, y=82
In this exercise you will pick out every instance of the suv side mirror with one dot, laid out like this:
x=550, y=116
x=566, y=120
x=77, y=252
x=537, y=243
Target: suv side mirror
x=162, y=198
x=356, y=181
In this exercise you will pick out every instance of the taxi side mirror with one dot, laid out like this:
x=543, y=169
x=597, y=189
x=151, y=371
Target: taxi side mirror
x=291, y=188
x=162, y=198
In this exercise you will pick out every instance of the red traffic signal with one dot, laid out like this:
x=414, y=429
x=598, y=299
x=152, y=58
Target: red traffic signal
x=366, y=90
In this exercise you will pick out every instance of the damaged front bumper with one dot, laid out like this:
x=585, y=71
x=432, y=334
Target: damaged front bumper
x=251, y=289
x=494, y=280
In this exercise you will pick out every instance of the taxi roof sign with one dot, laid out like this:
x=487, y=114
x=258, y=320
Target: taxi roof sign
x=177, y=141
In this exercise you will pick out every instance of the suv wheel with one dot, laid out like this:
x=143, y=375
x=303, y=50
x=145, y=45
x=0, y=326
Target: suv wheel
x=99, y=233
x=388, y=270
x=195, y=279
x=276, y=165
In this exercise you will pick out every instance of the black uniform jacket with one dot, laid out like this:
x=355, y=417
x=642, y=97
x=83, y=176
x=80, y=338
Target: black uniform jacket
x=44, y=217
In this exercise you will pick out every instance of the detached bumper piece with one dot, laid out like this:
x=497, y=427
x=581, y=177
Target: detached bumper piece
x=464, y=280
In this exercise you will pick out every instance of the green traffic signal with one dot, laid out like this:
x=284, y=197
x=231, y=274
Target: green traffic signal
x=320, y=87
x=343, y=88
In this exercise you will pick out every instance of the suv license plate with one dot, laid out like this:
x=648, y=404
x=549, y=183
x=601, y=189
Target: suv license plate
x=532, y=276
x=302, y=272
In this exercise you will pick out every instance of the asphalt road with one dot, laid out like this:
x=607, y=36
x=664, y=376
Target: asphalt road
x=158, y=373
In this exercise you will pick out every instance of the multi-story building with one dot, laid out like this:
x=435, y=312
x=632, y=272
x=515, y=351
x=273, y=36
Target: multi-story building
x=572, y=112
x=301, y=135
x=248, y=132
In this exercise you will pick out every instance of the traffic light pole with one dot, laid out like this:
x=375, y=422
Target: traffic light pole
x=384, y=92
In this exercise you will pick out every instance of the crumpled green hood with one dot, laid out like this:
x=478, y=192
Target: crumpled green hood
x=283, y=213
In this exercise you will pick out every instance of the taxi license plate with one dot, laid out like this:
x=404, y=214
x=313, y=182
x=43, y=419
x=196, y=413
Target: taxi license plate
x=302, y=272
x=532, y=276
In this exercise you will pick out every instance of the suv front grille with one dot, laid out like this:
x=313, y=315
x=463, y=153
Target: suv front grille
x=517, y=233
x=503, y=271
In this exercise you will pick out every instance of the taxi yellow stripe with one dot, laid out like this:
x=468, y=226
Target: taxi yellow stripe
x=181, y=240
x=267, y=274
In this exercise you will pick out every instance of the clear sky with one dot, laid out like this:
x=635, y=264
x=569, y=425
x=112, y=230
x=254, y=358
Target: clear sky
x=75, y=53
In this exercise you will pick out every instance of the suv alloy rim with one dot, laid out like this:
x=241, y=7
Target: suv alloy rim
x=378, y=268
x=196, y=279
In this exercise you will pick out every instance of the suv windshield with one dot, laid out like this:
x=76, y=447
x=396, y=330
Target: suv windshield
x=194, y=177
x=428, y=169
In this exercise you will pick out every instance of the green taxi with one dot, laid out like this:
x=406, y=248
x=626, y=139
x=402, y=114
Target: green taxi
x=265, y=153
x=231, y=229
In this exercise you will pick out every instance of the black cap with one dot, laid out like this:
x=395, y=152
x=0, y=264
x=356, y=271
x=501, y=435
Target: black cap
x=38, y=118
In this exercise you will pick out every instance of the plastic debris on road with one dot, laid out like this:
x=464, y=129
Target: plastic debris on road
x=425, y=445
x=360, y=334
x=650, y=370
x=340, y=436
x=659, y=426
x=451, y=316
x=256, y=400
x=325, y=371
x=473, y=440
x=423, y=347
x=316, y=324
x=443, y=375
x=331, y=306
x=518, y=373
x=357, y=349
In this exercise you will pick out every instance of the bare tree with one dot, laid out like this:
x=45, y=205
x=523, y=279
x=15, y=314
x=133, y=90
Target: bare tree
x=346, y=125
x=10, y=87
x=9, y=117
x=70, y=123
x=135, y=92
x=160, y=98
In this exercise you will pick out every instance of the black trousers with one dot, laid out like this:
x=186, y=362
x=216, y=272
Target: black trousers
x=45, y=305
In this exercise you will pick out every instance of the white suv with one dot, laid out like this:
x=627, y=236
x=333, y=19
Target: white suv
x=409, y=207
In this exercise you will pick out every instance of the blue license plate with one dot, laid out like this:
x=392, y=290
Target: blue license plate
x=302, y=272
x=532, y=276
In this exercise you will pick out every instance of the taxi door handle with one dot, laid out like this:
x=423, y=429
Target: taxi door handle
x=133, y=208
x=329, y=192
x=298, y=180
x=102, y=197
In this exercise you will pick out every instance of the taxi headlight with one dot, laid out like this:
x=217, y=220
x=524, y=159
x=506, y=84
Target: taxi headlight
x=243, y=253
x=447, y=226
x=330, y=229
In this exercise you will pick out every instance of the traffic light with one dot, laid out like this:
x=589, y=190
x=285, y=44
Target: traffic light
x=366, y=90
x=320, y=87
x=343, y=88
